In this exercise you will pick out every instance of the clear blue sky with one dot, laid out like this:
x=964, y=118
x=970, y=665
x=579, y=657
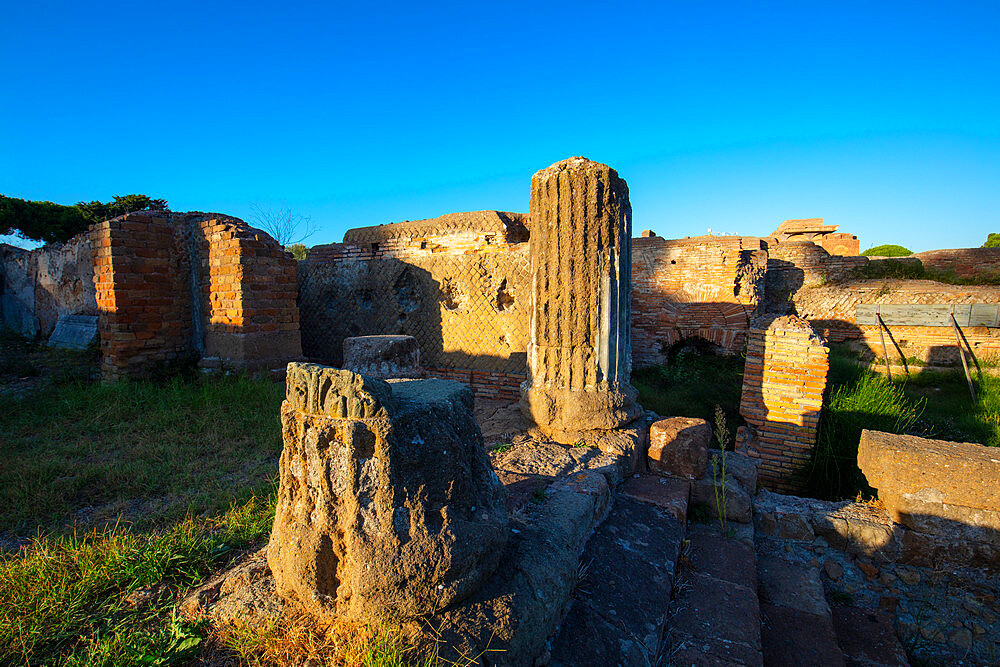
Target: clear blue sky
x=881, y=117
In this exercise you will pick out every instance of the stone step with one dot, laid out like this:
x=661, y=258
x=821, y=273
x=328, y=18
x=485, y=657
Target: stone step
x=796, y=622
x=867, y=638
x=714, y=615
x=619, y=608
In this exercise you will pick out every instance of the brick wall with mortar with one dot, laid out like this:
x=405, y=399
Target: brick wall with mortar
x=248, y=288
x=783, y=384
x=705, y=287
x=458, y=284
x=140, y=282
x=183, y=286
x=832, y=310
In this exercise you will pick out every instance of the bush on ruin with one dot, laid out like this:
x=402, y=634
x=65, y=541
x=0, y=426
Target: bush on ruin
x=887, y=251
x=992, y=241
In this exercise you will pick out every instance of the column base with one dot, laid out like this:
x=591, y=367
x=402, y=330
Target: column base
x=562, y=414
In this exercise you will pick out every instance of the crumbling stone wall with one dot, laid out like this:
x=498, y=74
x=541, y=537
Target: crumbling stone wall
x=783, y=384
x=174, y=286
x=704, y=287
x=458, y=284
x=41, y=285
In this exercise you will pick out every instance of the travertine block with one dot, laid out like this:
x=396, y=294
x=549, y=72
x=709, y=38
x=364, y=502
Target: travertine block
x=678, y=447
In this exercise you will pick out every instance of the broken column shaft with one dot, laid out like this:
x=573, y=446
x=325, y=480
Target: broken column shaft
x=579, y=354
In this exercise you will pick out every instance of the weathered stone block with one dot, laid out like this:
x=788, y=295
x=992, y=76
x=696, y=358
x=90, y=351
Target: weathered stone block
x=74, y=331
x=678, y=446
x=738, y=504
x=934, y=486
x=387, y=504
x=383, y=356
x=740, y=466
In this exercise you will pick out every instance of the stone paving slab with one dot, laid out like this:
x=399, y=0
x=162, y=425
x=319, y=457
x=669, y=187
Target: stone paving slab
x=623, y=595
x=867, y=638
x=715, y=614
x=669, y=493
x=793, y=638
x=791, y=585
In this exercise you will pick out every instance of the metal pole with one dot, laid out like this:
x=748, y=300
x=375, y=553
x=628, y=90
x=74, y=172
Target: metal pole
x=885, y=352
x=961, y=353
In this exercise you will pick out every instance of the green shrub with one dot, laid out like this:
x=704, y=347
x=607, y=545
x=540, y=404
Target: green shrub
x=887, y=251
x=992, y=241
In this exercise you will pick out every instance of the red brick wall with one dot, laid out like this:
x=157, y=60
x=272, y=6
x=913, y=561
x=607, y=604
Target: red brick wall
x=141, y=289
x=786, y=368
x=143, y=276
x=249, y=288
x=490, y=385
x=706, y=287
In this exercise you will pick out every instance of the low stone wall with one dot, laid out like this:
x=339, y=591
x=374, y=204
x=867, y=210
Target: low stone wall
x=963, y=262
x=946, y=493
x=706, y=287
x=783, y=386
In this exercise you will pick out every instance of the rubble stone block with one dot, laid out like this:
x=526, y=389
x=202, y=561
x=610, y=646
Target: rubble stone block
x=678, y=447
x=387, y=504
x=383, y=357
x=74, y=331
x=742, y=467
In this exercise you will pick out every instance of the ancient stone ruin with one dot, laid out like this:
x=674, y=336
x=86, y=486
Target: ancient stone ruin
x=584, y=530
x=387, y=505
x=579, y=356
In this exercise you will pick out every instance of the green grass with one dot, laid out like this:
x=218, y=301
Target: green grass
x=63, y=601
x=153, y=451
x=138, y=486
x=692, y=385
x=929, y=404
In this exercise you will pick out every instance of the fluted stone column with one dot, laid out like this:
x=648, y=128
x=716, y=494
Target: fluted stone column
x=579, y=354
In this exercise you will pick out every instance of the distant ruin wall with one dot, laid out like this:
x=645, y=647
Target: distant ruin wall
x=458, y=284
x=166, y=287
x=705, y=287
x=37, y=287
x=832, y=309
x=963, y=262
